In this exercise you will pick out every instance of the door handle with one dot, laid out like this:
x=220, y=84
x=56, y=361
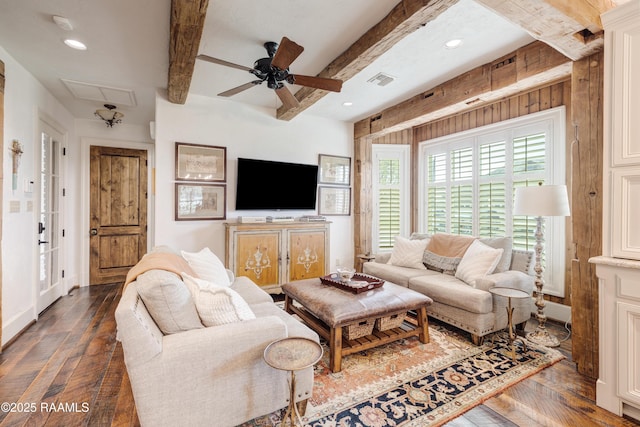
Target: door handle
x=40, y=242
x=94, y=231
x=40, y=228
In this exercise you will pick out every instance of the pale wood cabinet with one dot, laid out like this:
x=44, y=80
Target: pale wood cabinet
x=274, y=253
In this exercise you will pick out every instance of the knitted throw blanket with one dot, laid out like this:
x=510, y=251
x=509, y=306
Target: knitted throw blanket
x=161, y=261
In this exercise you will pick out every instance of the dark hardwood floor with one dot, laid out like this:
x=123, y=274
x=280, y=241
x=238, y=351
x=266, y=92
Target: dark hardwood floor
x=68, y=370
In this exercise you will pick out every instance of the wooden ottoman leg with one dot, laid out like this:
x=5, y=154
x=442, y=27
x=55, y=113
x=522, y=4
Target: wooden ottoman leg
x=423, y=324
x=287, y=303
x=335, y=349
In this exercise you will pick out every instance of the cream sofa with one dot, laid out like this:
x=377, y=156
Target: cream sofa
x=203, y=376
x=471, y=308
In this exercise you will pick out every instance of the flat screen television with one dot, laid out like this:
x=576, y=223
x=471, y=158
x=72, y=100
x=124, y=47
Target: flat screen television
x=269, y=185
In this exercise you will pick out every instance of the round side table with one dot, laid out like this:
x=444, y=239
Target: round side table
x=292, y=354
x=511, y=293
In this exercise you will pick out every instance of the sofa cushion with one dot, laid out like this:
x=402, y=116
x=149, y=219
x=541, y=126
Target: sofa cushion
x=249, y=291
x=505, y=243
x=207, y=266
x=478, y=261
x=451, y=291
x=394, y=274
x=439, y=263
x=168, y=301
x=217, y=305
x=449, y=245
x=408, y=253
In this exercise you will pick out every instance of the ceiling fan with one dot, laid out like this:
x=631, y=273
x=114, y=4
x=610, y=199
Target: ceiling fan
x=275, y=71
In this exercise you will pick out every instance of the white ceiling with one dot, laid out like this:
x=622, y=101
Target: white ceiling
x=128, y=44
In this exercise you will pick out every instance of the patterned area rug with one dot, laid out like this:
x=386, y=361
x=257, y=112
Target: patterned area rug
x=408, y=383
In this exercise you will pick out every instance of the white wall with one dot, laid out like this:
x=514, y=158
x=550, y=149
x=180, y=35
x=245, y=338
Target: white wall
x=26, y=101
x=250, y=132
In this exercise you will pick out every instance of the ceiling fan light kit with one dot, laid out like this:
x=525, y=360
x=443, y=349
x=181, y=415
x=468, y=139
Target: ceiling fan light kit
x=109, y=115
x=274, y=70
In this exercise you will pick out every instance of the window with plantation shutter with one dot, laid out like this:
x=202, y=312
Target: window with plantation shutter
x=437, y=214
x=467, y=183
x=390, y=189
x=492, y=201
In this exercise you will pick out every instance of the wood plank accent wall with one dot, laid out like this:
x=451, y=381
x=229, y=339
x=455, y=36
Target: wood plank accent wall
x=1, y=183
x=586, y=199
x=530, y=66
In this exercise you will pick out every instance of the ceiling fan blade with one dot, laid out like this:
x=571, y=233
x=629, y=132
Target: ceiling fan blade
x=287, y=52
x=223, y=62
x=333, y=85
x=288, y=100
x=240, y=88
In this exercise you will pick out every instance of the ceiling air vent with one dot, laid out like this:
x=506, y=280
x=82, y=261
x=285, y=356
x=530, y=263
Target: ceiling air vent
x=381, y=79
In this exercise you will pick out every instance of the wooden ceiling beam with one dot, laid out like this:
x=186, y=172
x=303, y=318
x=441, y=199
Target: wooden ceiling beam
x=571, y=27
x=532, y=65
x=406, y=17
x=187, y=22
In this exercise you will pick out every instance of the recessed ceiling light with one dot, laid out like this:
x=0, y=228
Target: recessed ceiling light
x=75, y=44
x=453, y=43
x=347, y=104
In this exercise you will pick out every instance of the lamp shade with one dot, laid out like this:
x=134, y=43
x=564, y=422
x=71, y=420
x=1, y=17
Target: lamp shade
x=542, y=200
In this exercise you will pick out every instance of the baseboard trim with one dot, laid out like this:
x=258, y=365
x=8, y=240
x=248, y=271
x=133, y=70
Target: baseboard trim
x=16, y=326
x=557, y=312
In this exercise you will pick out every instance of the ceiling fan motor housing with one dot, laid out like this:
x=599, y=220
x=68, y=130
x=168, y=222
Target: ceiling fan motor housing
x=272, y=75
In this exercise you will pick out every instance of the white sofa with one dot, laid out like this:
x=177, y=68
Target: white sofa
x=203, y=376
x=469, y=307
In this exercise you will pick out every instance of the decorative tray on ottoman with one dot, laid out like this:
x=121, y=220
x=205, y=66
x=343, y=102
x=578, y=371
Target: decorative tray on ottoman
x=359, y=283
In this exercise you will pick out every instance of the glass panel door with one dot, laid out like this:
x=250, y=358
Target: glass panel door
x=49, y=233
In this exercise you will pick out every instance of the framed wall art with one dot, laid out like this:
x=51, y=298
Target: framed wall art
x=196, y=162
x=200, y=201
x=334, y=169
x=334, y=201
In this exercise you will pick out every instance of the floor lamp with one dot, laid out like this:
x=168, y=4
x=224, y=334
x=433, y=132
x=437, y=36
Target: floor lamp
x=539, y=201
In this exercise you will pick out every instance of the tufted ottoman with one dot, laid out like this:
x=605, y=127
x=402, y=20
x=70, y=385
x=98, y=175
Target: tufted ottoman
x=327, y=310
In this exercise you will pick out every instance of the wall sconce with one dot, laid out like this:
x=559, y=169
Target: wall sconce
x=109, y=115
x=16, y=151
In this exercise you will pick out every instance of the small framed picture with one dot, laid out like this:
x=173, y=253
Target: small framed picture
x=200, y=201
x=334, y=169
x=200, y=162
x=334, y=201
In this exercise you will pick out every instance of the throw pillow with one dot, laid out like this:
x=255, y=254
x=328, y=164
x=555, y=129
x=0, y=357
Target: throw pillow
x=439, y=263
x=478, y=261
x=217, y=305
x=449, y=245
x=505, y=243
x=168, y=301
x=408, y=253
x=207, y=266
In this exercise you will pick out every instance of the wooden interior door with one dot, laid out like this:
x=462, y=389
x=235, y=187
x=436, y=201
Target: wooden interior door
x=258, y=257
x=306, y=254
x=118, y=218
